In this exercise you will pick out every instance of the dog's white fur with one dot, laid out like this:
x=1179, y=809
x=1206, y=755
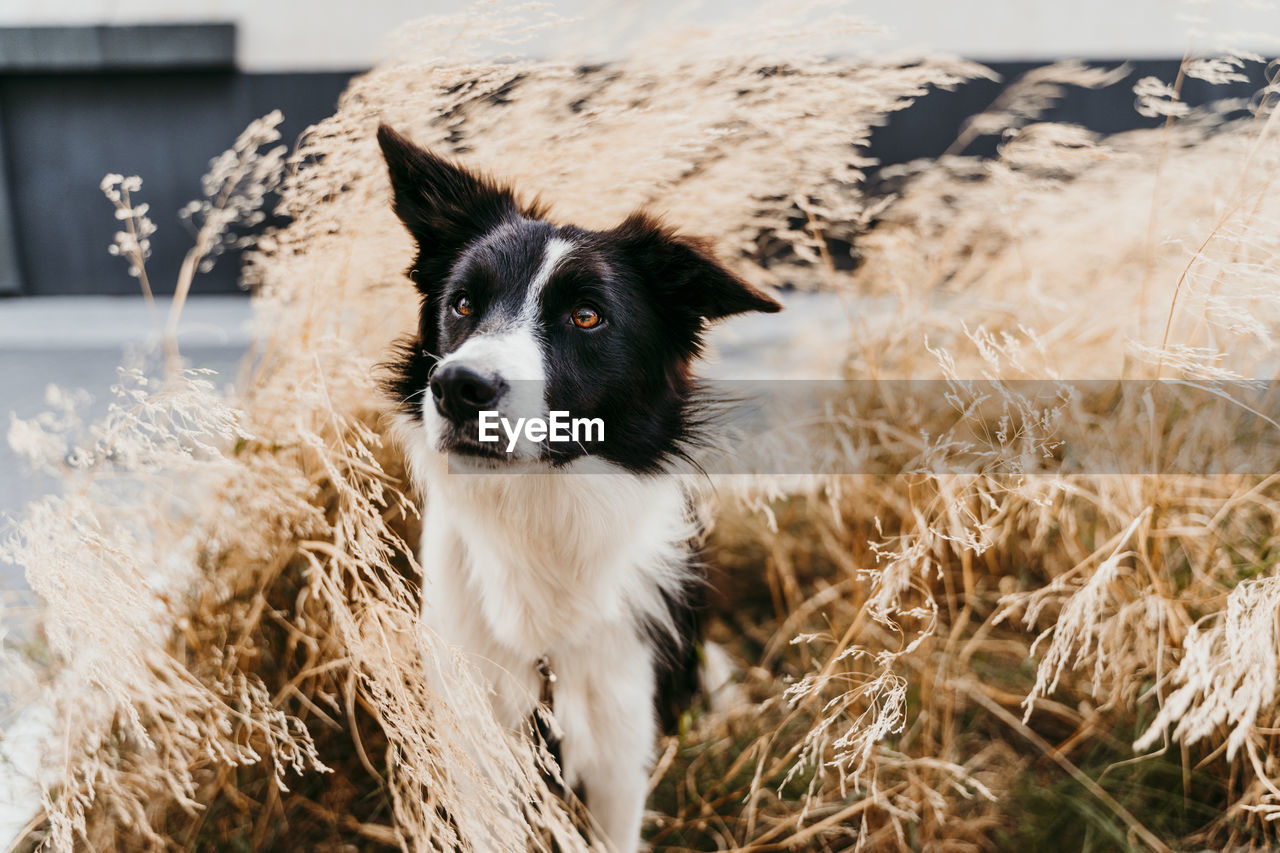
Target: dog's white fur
x=516, y=566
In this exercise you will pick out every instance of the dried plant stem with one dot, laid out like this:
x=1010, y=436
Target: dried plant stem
x=1153, y=214
x=1238, y=198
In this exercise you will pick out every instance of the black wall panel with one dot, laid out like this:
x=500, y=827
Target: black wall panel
x=63, y=132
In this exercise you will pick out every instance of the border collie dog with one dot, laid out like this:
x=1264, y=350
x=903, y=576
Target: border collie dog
x=565, y=570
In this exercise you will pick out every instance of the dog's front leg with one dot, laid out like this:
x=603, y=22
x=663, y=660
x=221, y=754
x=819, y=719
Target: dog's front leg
x=615, y=789
x=610, y=732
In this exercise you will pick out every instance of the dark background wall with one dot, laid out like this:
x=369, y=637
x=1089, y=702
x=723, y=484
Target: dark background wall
x=63, y=132
x=155, y=101
x=160, y=102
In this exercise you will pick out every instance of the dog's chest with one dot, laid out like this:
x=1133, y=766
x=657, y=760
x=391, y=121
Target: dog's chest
x=518, y=567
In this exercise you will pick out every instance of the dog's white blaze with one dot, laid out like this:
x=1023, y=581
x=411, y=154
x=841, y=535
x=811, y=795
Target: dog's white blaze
x=552, y=255
x=515, y=354
x=514, y=351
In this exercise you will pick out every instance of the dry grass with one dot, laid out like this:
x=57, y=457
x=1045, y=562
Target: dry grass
x=933, y=660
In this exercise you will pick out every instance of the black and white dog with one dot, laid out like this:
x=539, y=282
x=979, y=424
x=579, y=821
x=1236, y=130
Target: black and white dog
x=569, y=556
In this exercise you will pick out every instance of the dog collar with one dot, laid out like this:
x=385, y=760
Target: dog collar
x=548, y=675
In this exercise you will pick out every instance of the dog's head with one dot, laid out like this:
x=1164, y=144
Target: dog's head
x=524, y=318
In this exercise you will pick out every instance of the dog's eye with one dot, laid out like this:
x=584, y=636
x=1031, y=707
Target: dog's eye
x=585, y=317
x=462, y=305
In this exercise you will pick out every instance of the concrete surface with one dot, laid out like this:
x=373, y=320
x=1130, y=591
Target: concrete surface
x=78, y=342
x=75, y=342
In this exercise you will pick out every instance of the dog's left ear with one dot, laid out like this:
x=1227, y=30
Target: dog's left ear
x=443, y=205
x=686, y=272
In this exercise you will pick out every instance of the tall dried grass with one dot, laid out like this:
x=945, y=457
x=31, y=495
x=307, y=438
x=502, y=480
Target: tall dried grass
x=931, y=660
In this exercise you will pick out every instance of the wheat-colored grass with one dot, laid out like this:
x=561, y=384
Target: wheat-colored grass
x=1002, y=658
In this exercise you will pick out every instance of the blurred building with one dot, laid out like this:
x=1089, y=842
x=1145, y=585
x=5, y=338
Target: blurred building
x=156, y=89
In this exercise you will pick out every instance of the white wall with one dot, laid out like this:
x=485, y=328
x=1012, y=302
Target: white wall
x=349, y=34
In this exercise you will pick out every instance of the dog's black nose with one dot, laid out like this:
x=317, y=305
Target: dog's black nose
x=460, y=392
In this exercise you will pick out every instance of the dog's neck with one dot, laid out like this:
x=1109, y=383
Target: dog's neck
x=550, y=554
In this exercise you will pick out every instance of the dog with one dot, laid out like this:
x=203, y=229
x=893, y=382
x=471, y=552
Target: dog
x=565, y=569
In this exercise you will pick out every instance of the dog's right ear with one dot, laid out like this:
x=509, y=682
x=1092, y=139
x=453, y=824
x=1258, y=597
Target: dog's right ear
x=443, y=205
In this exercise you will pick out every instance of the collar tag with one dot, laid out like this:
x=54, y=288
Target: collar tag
x=543, y=665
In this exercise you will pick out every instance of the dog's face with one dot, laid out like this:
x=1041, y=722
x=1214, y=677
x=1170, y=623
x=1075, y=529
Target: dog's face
x=523, y=318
